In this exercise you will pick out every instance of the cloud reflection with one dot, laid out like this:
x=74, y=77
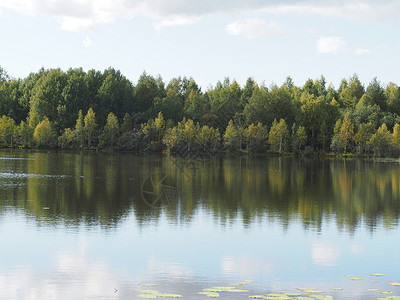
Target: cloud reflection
x=325, y=255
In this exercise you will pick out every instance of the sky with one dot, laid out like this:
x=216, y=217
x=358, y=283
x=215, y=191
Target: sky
x=208, y=40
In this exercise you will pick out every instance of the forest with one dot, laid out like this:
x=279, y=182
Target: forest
x=74, y=109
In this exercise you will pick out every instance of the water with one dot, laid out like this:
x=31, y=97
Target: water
x=97, y=226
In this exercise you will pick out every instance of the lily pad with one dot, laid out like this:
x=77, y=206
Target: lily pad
x=373, y=290
x=150, y=291
x=241, y=283
x=147, y=296
x=278, y=296
x=387, y=292
x=148, y=284
x=209, y=294
x=377, y=274
x=395, y=283
x=219, y=289
x=258, y=297
x=322, y=297
x=356, y=278
x=337, y=289
x=165, y=295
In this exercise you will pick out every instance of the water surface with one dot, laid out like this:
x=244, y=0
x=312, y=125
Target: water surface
x=97, y=226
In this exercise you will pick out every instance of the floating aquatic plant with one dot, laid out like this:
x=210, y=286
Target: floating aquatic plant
x=209, y=294
x=395, y=283
x=377, y=274
x=152, y=294
x=258, y=297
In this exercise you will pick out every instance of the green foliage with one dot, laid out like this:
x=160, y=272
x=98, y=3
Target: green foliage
x=209, y=138
x=363, y=135
x=7, y=128
x=24, y=135
x=317, y=111
x=278, y=135
x=65, y=141
x=381, y=141
x=90, y=126
x=346, y=132
x=232, y=137
x=396, y=137
x=110, y=132
x=79, y=133
x=126, y=123
x=256, y=137
x=301, y=137
x=44, y=134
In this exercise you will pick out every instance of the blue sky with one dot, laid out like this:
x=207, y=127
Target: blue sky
x=207, y=40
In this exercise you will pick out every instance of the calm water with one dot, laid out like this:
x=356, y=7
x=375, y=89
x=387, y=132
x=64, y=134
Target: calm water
x=97, y=226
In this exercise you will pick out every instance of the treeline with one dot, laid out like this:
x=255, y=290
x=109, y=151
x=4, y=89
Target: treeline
x=85, y=110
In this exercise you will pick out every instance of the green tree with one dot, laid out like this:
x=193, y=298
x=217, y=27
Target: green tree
x=232, y=137
x=256, y=137
x=381, y=141
x=396, y=136
x=24, y=135
x=350, y=92
x=90, y=126
x=346, y=132
x=301, y=137
x=363, y=135
x=79, y=132
x=209, y=138
x=7, y=128
x=44, y=134
x=110, y=132
x=278, y=135
x=65, y=141
x=126, y=123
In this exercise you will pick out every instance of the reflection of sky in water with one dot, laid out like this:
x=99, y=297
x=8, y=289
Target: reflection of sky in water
x=67, y=263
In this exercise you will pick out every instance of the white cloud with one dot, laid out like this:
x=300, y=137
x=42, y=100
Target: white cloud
x=80, y=15
x=87, y=42
x=361, y=51
x=254, y=28
x=176, y=21
x=331, y=45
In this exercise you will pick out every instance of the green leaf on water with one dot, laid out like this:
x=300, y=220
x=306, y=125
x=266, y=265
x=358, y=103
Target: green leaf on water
x=279, y=296
x=387, y=292
x=351, y=276
x=165, y=295
x=373, y=290
x=322, y=297
x=219, y=289
x=148, y=284
x=377, y=274
x=258, y=297
x=150, y=291
x=241, y=283
x=147, y=296
x=209, y=294
x=337, y=289
x=395, y=283
x=356, y=278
